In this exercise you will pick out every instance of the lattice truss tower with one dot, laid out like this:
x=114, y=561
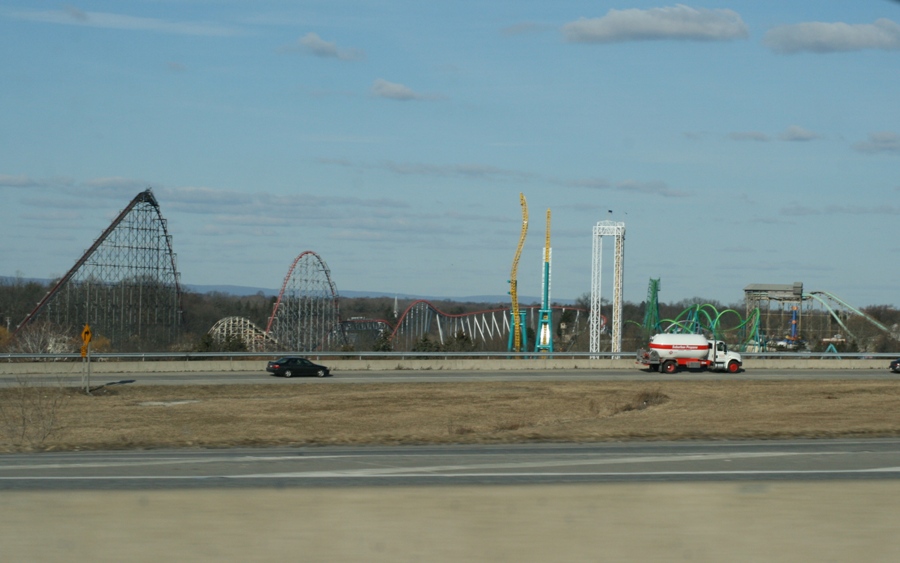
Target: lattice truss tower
x=126, y=285
x=615, y=230
x=306, y=316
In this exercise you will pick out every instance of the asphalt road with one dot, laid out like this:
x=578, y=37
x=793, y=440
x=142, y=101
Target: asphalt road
x=788, y=501
x=411, y=376
x=635, y=462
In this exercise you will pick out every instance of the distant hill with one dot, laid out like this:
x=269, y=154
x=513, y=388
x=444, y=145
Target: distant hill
x=241, y=290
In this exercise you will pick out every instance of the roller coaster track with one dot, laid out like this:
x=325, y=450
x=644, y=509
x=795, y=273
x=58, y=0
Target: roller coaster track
x=126, y=285
x=306, y=315
x=243, y=330
x=706, y=318
x=823, y=297
x=487, y=328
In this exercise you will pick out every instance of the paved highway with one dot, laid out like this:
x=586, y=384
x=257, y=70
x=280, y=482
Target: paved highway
x=436, y=376
x=787, y=460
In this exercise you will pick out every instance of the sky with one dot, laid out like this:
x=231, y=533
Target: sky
x=742, y=142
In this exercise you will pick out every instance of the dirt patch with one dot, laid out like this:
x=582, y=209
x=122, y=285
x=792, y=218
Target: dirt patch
x=490, y=412
x=644, y=399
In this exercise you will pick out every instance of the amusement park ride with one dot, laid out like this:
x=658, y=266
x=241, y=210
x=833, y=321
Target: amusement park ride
x=518, y=340
x=545, y=320
x=127, y=287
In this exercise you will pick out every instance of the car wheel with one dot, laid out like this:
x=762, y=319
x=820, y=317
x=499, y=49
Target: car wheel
x=733, y=367
x=321, y=372
x=287, y=373
x=670, y=367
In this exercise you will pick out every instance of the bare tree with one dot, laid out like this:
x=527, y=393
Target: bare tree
x=32, y=411
x=43, y=338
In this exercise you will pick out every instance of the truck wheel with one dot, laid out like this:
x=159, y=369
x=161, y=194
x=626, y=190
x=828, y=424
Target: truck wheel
x=670, y=367
x=733, y=367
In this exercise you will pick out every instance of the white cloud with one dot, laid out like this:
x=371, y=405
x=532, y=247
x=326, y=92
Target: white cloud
x=314, y=45
x=525, y=28
x=822, y=37
x=207, y=200
x=473, y=170
x=655, y=188
x=73, y=16
x=884, y=141
x=678, y=22
x=20, y=181
x=797, y=210
x=797, y=133
x=393, y=91
x=116, y=182
x=488, y=172
x=749, y=136
x=649, y=188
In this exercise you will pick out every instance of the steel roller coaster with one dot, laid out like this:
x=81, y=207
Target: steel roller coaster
x=758, y=330
x=487, y=330
x=306, y=315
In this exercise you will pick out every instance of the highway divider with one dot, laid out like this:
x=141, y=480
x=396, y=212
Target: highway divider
x=66, y=366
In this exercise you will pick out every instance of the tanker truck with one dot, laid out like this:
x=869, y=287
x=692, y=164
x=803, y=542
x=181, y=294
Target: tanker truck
x=668, y=353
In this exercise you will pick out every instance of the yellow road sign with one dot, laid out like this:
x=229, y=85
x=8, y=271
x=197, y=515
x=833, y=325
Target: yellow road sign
x=84, y=351
x=86, y=334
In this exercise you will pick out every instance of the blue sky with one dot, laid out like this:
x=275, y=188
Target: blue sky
x=740, y=142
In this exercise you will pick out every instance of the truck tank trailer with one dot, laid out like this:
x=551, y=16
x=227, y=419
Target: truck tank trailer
x=668, y=353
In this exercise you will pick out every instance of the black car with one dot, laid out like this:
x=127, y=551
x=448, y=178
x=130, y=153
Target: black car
x=290, y=366
x=895, y=366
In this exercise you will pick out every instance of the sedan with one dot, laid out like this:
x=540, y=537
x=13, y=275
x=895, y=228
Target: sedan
x=289, y=367
x=895, y=366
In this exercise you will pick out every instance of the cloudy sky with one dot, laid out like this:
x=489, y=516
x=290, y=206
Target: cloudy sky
x=750, y=141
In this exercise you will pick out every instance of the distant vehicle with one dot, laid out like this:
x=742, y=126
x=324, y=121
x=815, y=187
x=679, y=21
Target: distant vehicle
x=895, y=366
x=291, y=366
x=670, y=352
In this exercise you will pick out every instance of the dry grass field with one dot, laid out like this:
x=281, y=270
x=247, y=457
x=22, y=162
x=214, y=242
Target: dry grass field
x=52, y=418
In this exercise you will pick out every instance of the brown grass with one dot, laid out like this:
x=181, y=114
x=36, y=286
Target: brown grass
x=490, y=412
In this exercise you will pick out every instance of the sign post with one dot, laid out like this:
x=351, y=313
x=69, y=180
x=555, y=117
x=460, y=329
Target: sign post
x=86, y=355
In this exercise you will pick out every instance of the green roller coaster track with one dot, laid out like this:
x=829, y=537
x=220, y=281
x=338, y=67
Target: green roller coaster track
x=705, y=318
x=740, y=331
x=701, y=318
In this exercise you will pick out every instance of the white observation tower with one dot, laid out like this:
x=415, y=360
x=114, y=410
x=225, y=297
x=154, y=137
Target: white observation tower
x=617, y=231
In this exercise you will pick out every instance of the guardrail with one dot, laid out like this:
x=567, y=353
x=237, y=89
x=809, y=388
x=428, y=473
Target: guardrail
x=120, y=364
x=206, y=356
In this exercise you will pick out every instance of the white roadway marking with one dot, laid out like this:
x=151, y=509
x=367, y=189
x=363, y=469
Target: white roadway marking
x=549, y=463
x=339, y=475
x=433, y=470
x=172, y=461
